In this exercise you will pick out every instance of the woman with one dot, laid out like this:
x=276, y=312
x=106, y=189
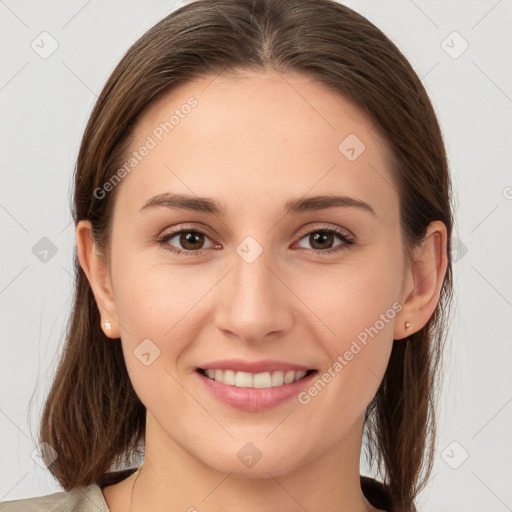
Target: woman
x=263, y=223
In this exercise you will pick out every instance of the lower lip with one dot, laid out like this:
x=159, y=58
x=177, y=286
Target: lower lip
x=255, y=399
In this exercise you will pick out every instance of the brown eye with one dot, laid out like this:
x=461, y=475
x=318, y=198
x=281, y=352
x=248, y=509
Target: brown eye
x=185, y=240
x=323, y=240
x=191, y=240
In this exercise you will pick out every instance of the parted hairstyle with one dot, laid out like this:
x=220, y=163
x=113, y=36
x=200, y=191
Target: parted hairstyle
x=92, y=416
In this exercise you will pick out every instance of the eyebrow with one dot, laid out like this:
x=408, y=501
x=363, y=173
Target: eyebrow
x=207, y=205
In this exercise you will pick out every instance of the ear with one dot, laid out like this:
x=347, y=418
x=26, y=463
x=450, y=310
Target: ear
x=96, y=269
x=423, y=281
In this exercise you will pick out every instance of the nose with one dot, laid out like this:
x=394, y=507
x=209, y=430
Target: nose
x=253, y=303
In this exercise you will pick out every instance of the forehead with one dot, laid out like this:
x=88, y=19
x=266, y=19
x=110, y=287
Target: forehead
x=261, y=136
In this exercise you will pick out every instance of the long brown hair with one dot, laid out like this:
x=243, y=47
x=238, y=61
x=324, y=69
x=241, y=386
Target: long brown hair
x=92, y=416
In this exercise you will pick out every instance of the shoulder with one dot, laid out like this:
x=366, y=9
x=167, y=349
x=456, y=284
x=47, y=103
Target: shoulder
x=80, y=499
x=87, y=498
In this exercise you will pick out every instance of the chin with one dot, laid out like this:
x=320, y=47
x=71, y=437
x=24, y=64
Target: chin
x=261, y=470
x=256, y=460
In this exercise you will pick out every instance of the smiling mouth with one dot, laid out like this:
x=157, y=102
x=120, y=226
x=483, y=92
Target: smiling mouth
x=254, y=380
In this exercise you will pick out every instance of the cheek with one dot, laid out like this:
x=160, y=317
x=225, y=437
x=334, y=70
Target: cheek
x=358, y=307
x=169, y=305
x=152, y=305
x=152, y=299
x=153, y=308
x=352, y=297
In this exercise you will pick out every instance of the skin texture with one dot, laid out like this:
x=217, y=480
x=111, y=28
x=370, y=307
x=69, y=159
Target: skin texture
x=252, y=143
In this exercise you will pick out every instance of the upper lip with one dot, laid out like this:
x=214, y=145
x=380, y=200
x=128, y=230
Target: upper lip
x=240, y=365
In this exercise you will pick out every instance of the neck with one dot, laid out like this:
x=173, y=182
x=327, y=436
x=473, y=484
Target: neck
x=173, y=479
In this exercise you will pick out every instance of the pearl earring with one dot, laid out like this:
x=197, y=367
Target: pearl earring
x=108, y=325
x=407, y=325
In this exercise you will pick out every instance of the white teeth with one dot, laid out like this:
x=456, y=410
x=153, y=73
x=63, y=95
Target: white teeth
x=289, y=377
x=255, y=380
x=277, y=378
x=242, y=379
x=228, y=377
x=299, y=375
x=262, y=380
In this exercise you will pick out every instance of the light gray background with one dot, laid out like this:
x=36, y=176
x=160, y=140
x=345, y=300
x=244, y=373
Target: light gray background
x=45, y=103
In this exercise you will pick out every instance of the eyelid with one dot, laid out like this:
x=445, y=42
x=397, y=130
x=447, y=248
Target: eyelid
x=325, y=227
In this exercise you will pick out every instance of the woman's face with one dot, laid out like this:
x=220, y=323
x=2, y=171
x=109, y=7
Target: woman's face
x=246, y=273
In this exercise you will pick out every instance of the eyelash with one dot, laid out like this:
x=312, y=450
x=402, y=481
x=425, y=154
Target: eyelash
x=347, y=241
